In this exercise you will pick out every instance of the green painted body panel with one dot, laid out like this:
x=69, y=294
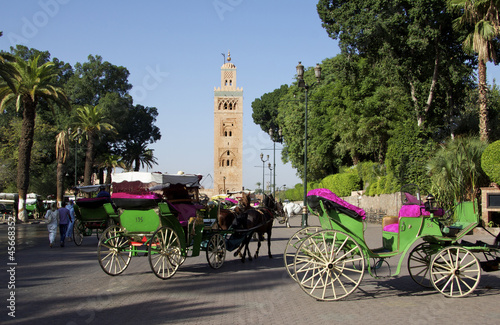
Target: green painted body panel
x=97, y=214
x=139, y=221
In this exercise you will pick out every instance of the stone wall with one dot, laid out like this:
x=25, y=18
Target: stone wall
x=377, y=206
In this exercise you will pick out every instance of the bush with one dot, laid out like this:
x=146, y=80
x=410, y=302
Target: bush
x=407, y=155
x=455, y=170
x=490, y=161
x=341, y=184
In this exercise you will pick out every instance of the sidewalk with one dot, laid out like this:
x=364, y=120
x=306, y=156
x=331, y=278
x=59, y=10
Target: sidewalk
x=67, y=286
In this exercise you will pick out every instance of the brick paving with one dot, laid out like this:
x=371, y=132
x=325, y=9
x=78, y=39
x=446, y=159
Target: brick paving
x=67, y=286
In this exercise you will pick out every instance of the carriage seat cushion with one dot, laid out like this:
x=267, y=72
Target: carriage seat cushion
x=417, y=211
x=186, y=212
x=335, y=202
x=394, y=227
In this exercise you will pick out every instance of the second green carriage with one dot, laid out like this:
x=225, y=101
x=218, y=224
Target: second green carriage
x=93, y=215
x=329, y=262
x=159, y=216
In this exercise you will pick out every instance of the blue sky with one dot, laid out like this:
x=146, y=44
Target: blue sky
x=172, y=50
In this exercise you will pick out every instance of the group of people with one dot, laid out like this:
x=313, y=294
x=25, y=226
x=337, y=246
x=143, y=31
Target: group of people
x=62, y=218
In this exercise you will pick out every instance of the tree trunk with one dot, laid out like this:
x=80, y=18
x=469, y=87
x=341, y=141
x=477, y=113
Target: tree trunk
x=24, y=159
x=60, y=183
x=89, y=161
x=483, y=102
x=109, y=170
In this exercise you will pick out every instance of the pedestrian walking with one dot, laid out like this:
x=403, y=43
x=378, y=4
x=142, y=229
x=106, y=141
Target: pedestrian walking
x=71, y=208
x=52, y=217
x=64, y=217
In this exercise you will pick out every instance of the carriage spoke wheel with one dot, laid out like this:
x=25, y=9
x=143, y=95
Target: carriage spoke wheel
x=419, y=262
x=114, y=251
x=329, y=265
x=292, y=245
x=216, y=251
x=165, y=253
x=455, y=271
x=78, y=232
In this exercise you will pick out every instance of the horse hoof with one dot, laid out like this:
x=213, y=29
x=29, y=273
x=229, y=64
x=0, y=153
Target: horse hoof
x=270, y=256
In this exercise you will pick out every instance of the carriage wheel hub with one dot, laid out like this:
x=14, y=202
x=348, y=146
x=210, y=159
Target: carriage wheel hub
x=330, y=266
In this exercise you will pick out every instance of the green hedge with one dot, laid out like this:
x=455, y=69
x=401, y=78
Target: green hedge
x=490, y=161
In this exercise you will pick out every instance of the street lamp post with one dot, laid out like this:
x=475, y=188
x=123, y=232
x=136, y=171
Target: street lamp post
x=270, y=176
x=274, y=157
x=263, y=170
x=301, y=83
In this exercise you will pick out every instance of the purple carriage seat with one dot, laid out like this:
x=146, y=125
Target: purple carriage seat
x=338, y=203
x=411, y=211
x=185, y=211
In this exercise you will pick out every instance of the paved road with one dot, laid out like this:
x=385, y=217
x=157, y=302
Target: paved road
x=67, y=286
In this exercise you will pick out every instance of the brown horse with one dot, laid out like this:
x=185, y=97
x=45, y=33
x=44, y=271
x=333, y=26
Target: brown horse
x=259, y=221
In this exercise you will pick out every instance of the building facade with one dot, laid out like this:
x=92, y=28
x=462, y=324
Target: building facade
x=228, y=132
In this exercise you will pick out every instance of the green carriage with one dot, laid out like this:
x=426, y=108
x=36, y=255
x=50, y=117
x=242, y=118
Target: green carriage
x=159, y=216
x=328, y=262
x=92, y=215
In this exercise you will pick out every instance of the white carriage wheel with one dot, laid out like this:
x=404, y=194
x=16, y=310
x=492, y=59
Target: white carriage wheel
x=329, y=265
x=419, y=263
x=455, y=271
x=114, y=250
x=291, y=247
x=165, y=253
x=216, y=251
x=77, y=232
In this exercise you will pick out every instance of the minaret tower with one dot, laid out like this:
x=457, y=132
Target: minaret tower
x=228, y=131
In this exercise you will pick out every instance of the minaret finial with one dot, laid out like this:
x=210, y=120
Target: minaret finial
x=228, y=56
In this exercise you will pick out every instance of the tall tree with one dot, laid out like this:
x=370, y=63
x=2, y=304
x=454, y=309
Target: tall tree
x=62, y=152
x=483, y=17
x=90, y=119
x=136, y=134
x=265, y=109
x=414, y=39
x=99, y=82
x=35, y=82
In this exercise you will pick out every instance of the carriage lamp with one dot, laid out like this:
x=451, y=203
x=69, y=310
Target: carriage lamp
x=301, y=83
x=430, y=204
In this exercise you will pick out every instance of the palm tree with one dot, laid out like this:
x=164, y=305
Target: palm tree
x=91, y=121
x=138, y=155
x=7, y=72
x=31, y=82
x=109, y=162
x=483, y=16
x=455, y=170
x=62, y=151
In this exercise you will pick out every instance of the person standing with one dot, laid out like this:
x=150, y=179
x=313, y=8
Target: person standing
x=71, y=208
x=52, y=217
x=64, y=217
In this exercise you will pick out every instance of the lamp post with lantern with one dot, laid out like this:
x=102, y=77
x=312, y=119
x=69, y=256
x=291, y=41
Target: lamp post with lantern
x=301, y=83
x=263, y=170
x=271, y=134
